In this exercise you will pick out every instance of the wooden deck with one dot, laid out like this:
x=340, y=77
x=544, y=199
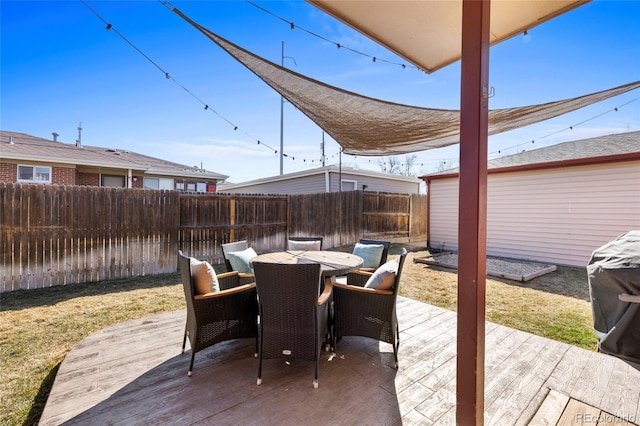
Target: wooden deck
x=133, y=373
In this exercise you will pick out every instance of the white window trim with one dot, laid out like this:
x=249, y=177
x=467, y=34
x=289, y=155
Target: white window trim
x=48, y=181
x=343, y=181
x=163, y=183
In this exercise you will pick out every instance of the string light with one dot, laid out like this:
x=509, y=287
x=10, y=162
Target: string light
x=570, y=127
x=166, y=73
x=338, y=45
x=109, y=27
x=168, y=76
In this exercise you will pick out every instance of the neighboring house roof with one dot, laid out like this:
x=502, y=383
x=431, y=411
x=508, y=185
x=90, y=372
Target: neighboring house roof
x=321, y=171
x=616, y=147
x=23, y=147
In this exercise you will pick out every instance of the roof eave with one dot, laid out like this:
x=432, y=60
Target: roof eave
x=73, y=161
x=616, y=158
x=188, y=174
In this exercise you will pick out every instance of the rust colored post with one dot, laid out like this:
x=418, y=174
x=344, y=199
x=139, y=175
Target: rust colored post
x=472, y=213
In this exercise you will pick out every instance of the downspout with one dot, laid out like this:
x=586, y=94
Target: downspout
x=428, y=182
x=327, y=181
x=130, y=179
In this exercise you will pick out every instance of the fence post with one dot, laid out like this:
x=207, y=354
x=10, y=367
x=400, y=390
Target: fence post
x=232, y=219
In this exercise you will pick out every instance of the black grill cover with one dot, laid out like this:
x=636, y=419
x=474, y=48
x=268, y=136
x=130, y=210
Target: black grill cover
x=614, y=269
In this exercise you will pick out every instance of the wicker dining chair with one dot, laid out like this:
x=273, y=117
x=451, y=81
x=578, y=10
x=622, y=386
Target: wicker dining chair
x=231, y=247
x=293, y=318
x=231, y=313
x=304, y=243
x=381, y=261
x=385, y=249
x=368, y=312
x=236, y=246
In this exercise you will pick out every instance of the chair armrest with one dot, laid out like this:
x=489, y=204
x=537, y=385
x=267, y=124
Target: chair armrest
x=362, y=289
x=629, y=298
x=328, y=288
x=226, y=274
x=227, y=292
x=233, y=273
x=247, y=278
x=358, y=277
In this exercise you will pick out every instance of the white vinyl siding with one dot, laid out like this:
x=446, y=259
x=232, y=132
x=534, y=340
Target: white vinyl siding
x=443, y=214
x=317, y=183
x=553, y=215
x=375, y=183
x=300, y=185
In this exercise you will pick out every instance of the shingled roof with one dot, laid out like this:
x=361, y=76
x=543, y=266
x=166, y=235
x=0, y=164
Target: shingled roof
x=617, y=146
x=21, y=146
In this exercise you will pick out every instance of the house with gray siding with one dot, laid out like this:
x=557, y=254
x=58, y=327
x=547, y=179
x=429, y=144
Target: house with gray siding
x=555, y=204
x=327, y=179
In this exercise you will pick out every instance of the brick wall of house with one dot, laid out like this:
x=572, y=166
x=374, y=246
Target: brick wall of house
x=8, y=172
x=87, y=179
x=63, y=176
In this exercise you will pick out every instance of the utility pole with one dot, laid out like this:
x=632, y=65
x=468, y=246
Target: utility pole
x=322, y=149
x=281, y=116
x=282, y=101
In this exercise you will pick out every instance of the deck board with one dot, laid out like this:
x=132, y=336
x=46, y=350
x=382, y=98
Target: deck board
x=134, y=373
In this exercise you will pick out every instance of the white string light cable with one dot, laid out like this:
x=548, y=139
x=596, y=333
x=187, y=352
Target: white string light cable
x=615, y=109
x=293, y=26
x=110, y=27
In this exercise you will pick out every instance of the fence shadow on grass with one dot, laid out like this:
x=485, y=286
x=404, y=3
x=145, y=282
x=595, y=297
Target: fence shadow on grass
x=24, y=299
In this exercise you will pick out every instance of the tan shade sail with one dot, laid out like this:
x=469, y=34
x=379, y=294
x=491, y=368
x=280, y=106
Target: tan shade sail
x=368, y=126
x=428, y=33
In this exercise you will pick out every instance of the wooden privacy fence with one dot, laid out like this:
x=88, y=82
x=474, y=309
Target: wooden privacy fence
x=344, y=217
x=209, y=220
x=55, y=235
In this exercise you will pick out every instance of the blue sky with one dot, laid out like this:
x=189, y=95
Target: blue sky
x=61, y=67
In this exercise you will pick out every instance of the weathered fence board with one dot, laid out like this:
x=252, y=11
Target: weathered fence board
x=209, y=220
x=385, y=215
x=55, y=235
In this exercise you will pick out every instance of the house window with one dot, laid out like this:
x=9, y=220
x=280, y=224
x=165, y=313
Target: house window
x=112, y=181
x=348, y=185
x=158, y=183
x=34, y=174
x=194, y=187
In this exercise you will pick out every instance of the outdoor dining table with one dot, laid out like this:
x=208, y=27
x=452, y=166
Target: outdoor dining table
x=332, y=263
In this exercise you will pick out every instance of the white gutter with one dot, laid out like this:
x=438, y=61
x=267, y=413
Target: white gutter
x=75, y=162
